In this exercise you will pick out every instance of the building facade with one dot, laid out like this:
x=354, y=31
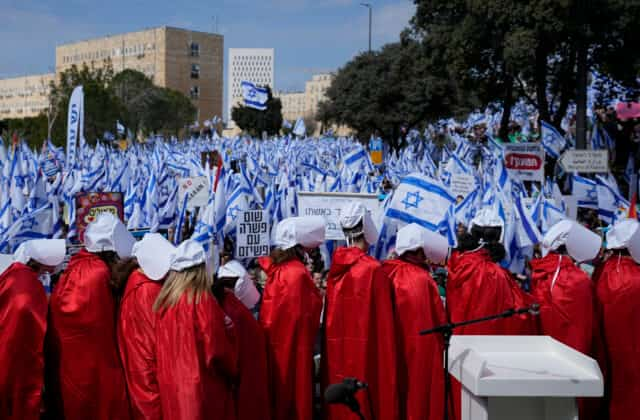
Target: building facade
x=254, y=65
x=187, y=61
x=315, y=91
x=22, y=97
x=293, y=105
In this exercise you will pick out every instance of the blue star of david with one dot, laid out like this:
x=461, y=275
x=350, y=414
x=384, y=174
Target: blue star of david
x=412, y=199
x=252, y=93
x=28, y=224
x=592, y=194
x=233, y=212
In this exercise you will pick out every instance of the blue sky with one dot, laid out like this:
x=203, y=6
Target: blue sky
x=308, y=35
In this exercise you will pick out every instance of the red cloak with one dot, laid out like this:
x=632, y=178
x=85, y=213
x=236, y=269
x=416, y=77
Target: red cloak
x=417, y=306
x=23, y=321
x=478, y=287
x=197, y=361
x=567, y=310
x=618, y=294
x=290, y=316
x=359, y=334
x=252, y=393
x=88, y=379
x=137, y=342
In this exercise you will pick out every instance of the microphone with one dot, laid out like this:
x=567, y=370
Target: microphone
x=534, y=309
x=344, y=393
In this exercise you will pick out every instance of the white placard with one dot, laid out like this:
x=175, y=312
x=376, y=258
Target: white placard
x=252, y=234
x=198, y=190
x=462, y=184
x=328, y=205
x=525, y=161
x=585, y=161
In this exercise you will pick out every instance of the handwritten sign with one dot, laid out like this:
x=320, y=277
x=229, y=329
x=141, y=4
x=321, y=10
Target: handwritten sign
x=90, y=205
x=197, y=189
x=462, y=185
x=252, y=234
x=585, y=161
x=525, y=161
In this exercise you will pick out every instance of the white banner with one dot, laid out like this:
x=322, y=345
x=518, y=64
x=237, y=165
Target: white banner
x=328, y=205
x=525, y=161
x=198, y=190
x=252, y=234
x=75, y=124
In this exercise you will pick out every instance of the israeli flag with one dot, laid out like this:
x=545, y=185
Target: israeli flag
x=584, y=190
x=552, y=141
x=354, y=160
x=120, y=128
x=420, y=199
x=299, y=129
x=254, y=97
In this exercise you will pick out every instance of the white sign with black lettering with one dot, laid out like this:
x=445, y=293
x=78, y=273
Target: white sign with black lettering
x=462, y=185
x=328, y=205
x=197, y=189
x=252, y=234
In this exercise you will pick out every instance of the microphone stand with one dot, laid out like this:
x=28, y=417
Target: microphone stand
x=447, y=331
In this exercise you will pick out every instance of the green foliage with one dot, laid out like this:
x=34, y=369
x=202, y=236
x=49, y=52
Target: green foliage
x=386, y=90
x=34, y=129
x=255, y=122
x=101, y=106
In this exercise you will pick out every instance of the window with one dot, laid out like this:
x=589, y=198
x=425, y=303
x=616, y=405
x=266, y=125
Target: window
x=194, y=92
x=195, y=49
x=195, y=71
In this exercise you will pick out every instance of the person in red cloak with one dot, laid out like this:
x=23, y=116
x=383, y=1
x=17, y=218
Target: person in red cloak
x=564, y=291
x=23, y=317
x=417, y=306
x=237, y=295
x=477, y=286
x=195, y=342
x=136, y=324
x=617, y=297
x=290, y=316
x=86, y=378
x=358, y=317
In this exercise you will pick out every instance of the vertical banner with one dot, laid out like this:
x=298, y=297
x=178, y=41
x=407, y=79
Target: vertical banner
x=74, y=124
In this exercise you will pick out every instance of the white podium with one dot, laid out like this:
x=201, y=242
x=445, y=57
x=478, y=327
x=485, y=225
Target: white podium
x=521, y=377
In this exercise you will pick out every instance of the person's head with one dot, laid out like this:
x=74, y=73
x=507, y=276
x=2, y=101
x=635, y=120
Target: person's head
x=187, y=276
x=419, y=245
x=485, y=231
x=295, y=237
x=357, y=225
x=233, y=277
x=568, y=237
x=41, y=255
x=624, y=238
x=227, y=250
x=459, y=199
x=109, y=238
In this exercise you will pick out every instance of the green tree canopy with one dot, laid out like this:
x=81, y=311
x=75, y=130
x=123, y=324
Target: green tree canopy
x=255, y=121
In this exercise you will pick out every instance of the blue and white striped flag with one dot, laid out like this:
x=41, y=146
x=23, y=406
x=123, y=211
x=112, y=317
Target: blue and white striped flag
x=254, y=97
x=552, y=141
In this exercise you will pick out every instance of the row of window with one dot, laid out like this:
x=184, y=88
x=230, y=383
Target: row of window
x=134, y=50
x=26, y=91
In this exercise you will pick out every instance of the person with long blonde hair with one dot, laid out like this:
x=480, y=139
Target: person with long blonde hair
x=195, y=343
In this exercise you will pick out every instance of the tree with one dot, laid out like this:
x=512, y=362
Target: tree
x=507, y=49
x=101, y=106
x=32, y=129
x=169, y=112
x=255, y=122
x=137, y=96
x=386, y=90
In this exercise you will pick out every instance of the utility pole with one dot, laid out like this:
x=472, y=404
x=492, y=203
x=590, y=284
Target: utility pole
x=581, y=76
x=368, y=6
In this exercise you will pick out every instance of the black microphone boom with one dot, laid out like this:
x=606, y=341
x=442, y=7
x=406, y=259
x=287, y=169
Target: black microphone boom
x=344, y=393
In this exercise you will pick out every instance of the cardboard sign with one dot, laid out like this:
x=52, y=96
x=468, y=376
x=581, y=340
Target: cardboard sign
x=328, y=205
x=197, y=189
x=252, y=234
x=462, y=184
x=376, y=150
x=90, y=205
x=525, y=161
x=585, y=161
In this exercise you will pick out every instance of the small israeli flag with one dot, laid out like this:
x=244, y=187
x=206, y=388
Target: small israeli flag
x=120, y=128
x=254, y=97
x=552, y=140
x=299, y=129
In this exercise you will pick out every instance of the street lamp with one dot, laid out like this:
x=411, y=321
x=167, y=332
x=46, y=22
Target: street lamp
x=368, y=6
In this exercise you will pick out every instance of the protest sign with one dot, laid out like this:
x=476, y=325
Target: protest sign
x=197, y=189
x=525, y=161
x=627, y=110
x=252, y=234
x=376, y=150
x=89, y=205
x=585, y=161
x=462, y=185
x=328, y=205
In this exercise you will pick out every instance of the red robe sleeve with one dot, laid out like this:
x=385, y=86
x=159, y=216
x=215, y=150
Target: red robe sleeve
x=359, y=333
x=290, y=316
x=566, y=310
x=252, y=392
x=23, y=315
x=618, y=294
x=137, y=343
x=417, y=306
x=88, y=379
x=197, y=362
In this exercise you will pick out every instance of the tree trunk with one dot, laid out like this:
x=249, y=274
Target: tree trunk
x=541, y=83
x=503, y=134
x=566, y=91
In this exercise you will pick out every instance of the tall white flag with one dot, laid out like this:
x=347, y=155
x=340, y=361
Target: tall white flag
x=75, y=124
